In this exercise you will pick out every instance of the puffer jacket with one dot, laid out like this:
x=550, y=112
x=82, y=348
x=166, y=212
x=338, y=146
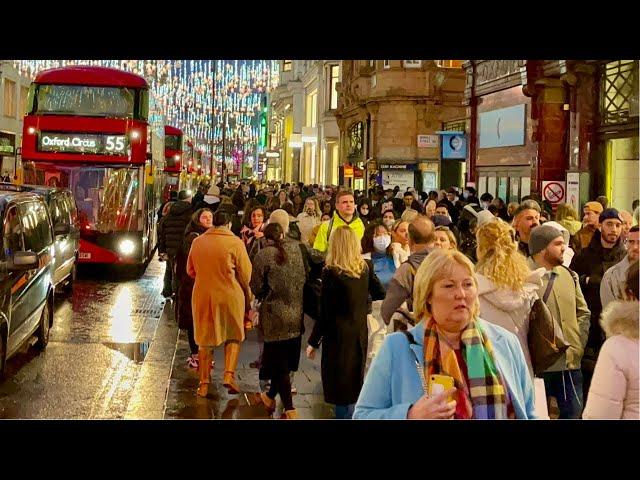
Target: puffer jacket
x=510, y=309
x=614, y=391
x=171, y=228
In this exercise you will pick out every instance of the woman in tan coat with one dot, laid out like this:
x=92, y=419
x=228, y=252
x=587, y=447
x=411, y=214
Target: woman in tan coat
x=219, y=263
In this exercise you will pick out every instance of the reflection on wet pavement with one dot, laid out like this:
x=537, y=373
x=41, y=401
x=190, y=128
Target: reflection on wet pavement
x=99, y=341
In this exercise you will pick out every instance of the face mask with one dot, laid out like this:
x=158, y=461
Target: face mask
x=381, y=243
x=388, y=222
x=485, y=205
x=374, y=202
x=465, y=195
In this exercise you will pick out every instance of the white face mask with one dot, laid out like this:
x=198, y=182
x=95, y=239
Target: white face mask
x=381, y=243
x=388, y=222
x=485, y=205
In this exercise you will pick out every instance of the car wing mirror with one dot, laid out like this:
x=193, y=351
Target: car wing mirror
x=24, y=261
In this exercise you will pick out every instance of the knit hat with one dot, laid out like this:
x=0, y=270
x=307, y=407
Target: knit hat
x=214, y=190
x=484, y=216
x=541, y=237
x=564, y=231
x=608, y=214
x=595, y=207
x=280, y=217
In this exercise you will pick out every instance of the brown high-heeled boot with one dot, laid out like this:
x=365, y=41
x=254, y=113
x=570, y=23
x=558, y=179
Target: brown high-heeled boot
x=289, y=415
x=231, y=353
x=268, y=402
x=204, y=371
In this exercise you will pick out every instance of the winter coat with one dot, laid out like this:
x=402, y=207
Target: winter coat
x=567, y=305
x=614, y=282
x=510, y=309
x=614, y=391
x=279, y=288
x=400, y=288
x=221, y=294
x=393, y=383
x=185, y=282
x=171, y=228
x=342, y=330
x=306, y=223
x=584, y=237
x=591, y=263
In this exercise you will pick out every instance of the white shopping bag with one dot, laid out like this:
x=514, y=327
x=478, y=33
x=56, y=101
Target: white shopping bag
x=542, y=411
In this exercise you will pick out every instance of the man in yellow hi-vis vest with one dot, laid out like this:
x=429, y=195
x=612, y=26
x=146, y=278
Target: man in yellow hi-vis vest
x=345, y=214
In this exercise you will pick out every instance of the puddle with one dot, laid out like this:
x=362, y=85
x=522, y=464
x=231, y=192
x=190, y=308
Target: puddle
x=135, y=351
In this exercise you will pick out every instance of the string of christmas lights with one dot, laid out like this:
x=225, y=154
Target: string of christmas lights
x=185, y=90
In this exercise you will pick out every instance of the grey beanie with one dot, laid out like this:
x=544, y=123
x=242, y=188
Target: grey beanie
x=541, y=237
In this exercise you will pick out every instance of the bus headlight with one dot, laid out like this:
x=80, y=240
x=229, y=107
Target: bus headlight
x=135, y=134
x=126, y=247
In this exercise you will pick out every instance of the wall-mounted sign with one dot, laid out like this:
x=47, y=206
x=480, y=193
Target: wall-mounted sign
x=7, y=142
x=83, y=143
x=454, y=145
x=503, y=127
x=553, y=191
x=348, y=171
x=573, y=190
x=427, y=141
x=398, y=178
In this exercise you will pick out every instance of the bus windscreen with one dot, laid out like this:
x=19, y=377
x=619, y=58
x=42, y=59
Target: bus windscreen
x=110, y=102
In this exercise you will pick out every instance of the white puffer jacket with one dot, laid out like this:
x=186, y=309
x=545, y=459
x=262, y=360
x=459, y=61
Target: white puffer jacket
x=510, y=309
x=615, y=386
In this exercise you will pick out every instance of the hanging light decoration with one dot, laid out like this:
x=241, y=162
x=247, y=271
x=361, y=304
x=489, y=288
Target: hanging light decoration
x=195, y=94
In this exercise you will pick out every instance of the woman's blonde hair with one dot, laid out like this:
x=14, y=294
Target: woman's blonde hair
x=450, y=236
x=566, y=210
x=344, y=252
x=438, y=265
x=498, y=257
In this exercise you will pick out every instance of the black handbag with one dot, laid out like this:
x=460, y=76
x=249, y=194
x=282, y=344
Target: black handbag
x=312, y=291
x=545, y=339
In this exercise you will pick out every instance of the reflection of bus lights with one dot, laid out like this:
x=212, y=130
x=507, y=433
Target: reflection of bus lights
x=31, y=130
x=176, y=157
x=135, y=134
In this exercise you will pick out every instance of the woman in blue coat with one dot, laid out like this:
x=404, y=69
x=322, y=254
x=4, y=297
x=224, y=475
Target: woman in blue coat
x=484, y=361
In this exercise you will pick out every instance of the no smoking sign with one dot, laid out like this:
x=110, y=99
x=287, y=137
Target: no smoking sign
x=554, y=191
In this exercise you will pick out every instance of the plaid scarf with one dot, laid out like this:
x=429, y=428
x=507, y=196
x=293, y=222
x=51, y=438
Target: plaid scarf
x=488, y=397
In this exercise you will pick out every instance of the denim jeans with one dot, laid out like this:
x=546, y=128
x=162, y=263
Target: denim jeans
x=566, y=387
x=345, y=412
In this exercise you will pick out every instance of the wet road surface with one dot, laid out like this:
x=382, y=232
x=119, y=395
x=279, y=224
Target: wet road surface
x=115, y=352
x=97, y=347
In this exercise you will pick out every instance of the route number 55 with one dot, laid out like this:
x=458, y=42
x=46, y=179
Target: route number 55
x=115, y=144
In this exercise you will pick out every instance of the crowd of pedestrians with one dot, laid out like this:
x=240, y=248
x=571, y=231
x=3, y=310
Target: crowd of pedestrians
x=421, y=302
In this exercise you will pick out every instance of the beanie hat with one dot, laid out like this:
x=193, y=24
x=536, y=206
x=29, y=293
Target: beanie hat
x=484, y=216
x=280, y=217
x=564, y=231
x=608, y=214
x=541, y=237
x=214, y=190
x=184, y=195
x=595, y=207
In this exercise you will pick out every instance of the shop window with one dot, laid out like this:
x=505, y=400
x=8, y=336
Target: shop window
x=334, y=78
x=449, y=63
x=287, y=65
x=386, y=64
x=412, y=63
x=619, y=92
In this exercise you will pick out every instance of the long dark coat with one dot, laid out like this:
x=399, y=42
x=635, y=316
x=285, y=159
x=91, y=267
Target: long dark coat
x=185, y=282
x=342, y=330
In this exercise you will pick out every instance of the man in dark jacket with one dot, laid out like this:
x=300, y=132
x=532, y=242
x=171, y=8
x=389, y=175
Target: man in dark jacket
x=170, y=236
x=400, y=288
x=603, y=252
x=173, y=196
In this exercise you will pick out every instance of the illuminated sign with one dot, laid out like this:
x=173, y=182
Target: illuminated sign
x=83, y=143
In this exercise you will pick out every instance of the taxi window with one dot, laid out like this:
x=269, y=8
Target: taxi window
x=35, y=225
x=12, y=233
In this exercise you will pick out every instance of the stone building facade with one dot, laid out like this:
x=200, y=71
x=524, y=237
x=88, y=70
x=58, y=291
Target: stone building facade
x=384, y=105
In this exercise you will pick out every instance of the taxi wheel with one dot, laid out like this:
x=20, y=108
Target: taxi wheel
x=43, y=328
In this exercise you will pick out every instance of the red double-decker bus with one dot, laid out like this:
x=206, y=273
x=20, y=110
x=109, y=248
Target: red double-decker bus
x=173, y=156
x=99, y=132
